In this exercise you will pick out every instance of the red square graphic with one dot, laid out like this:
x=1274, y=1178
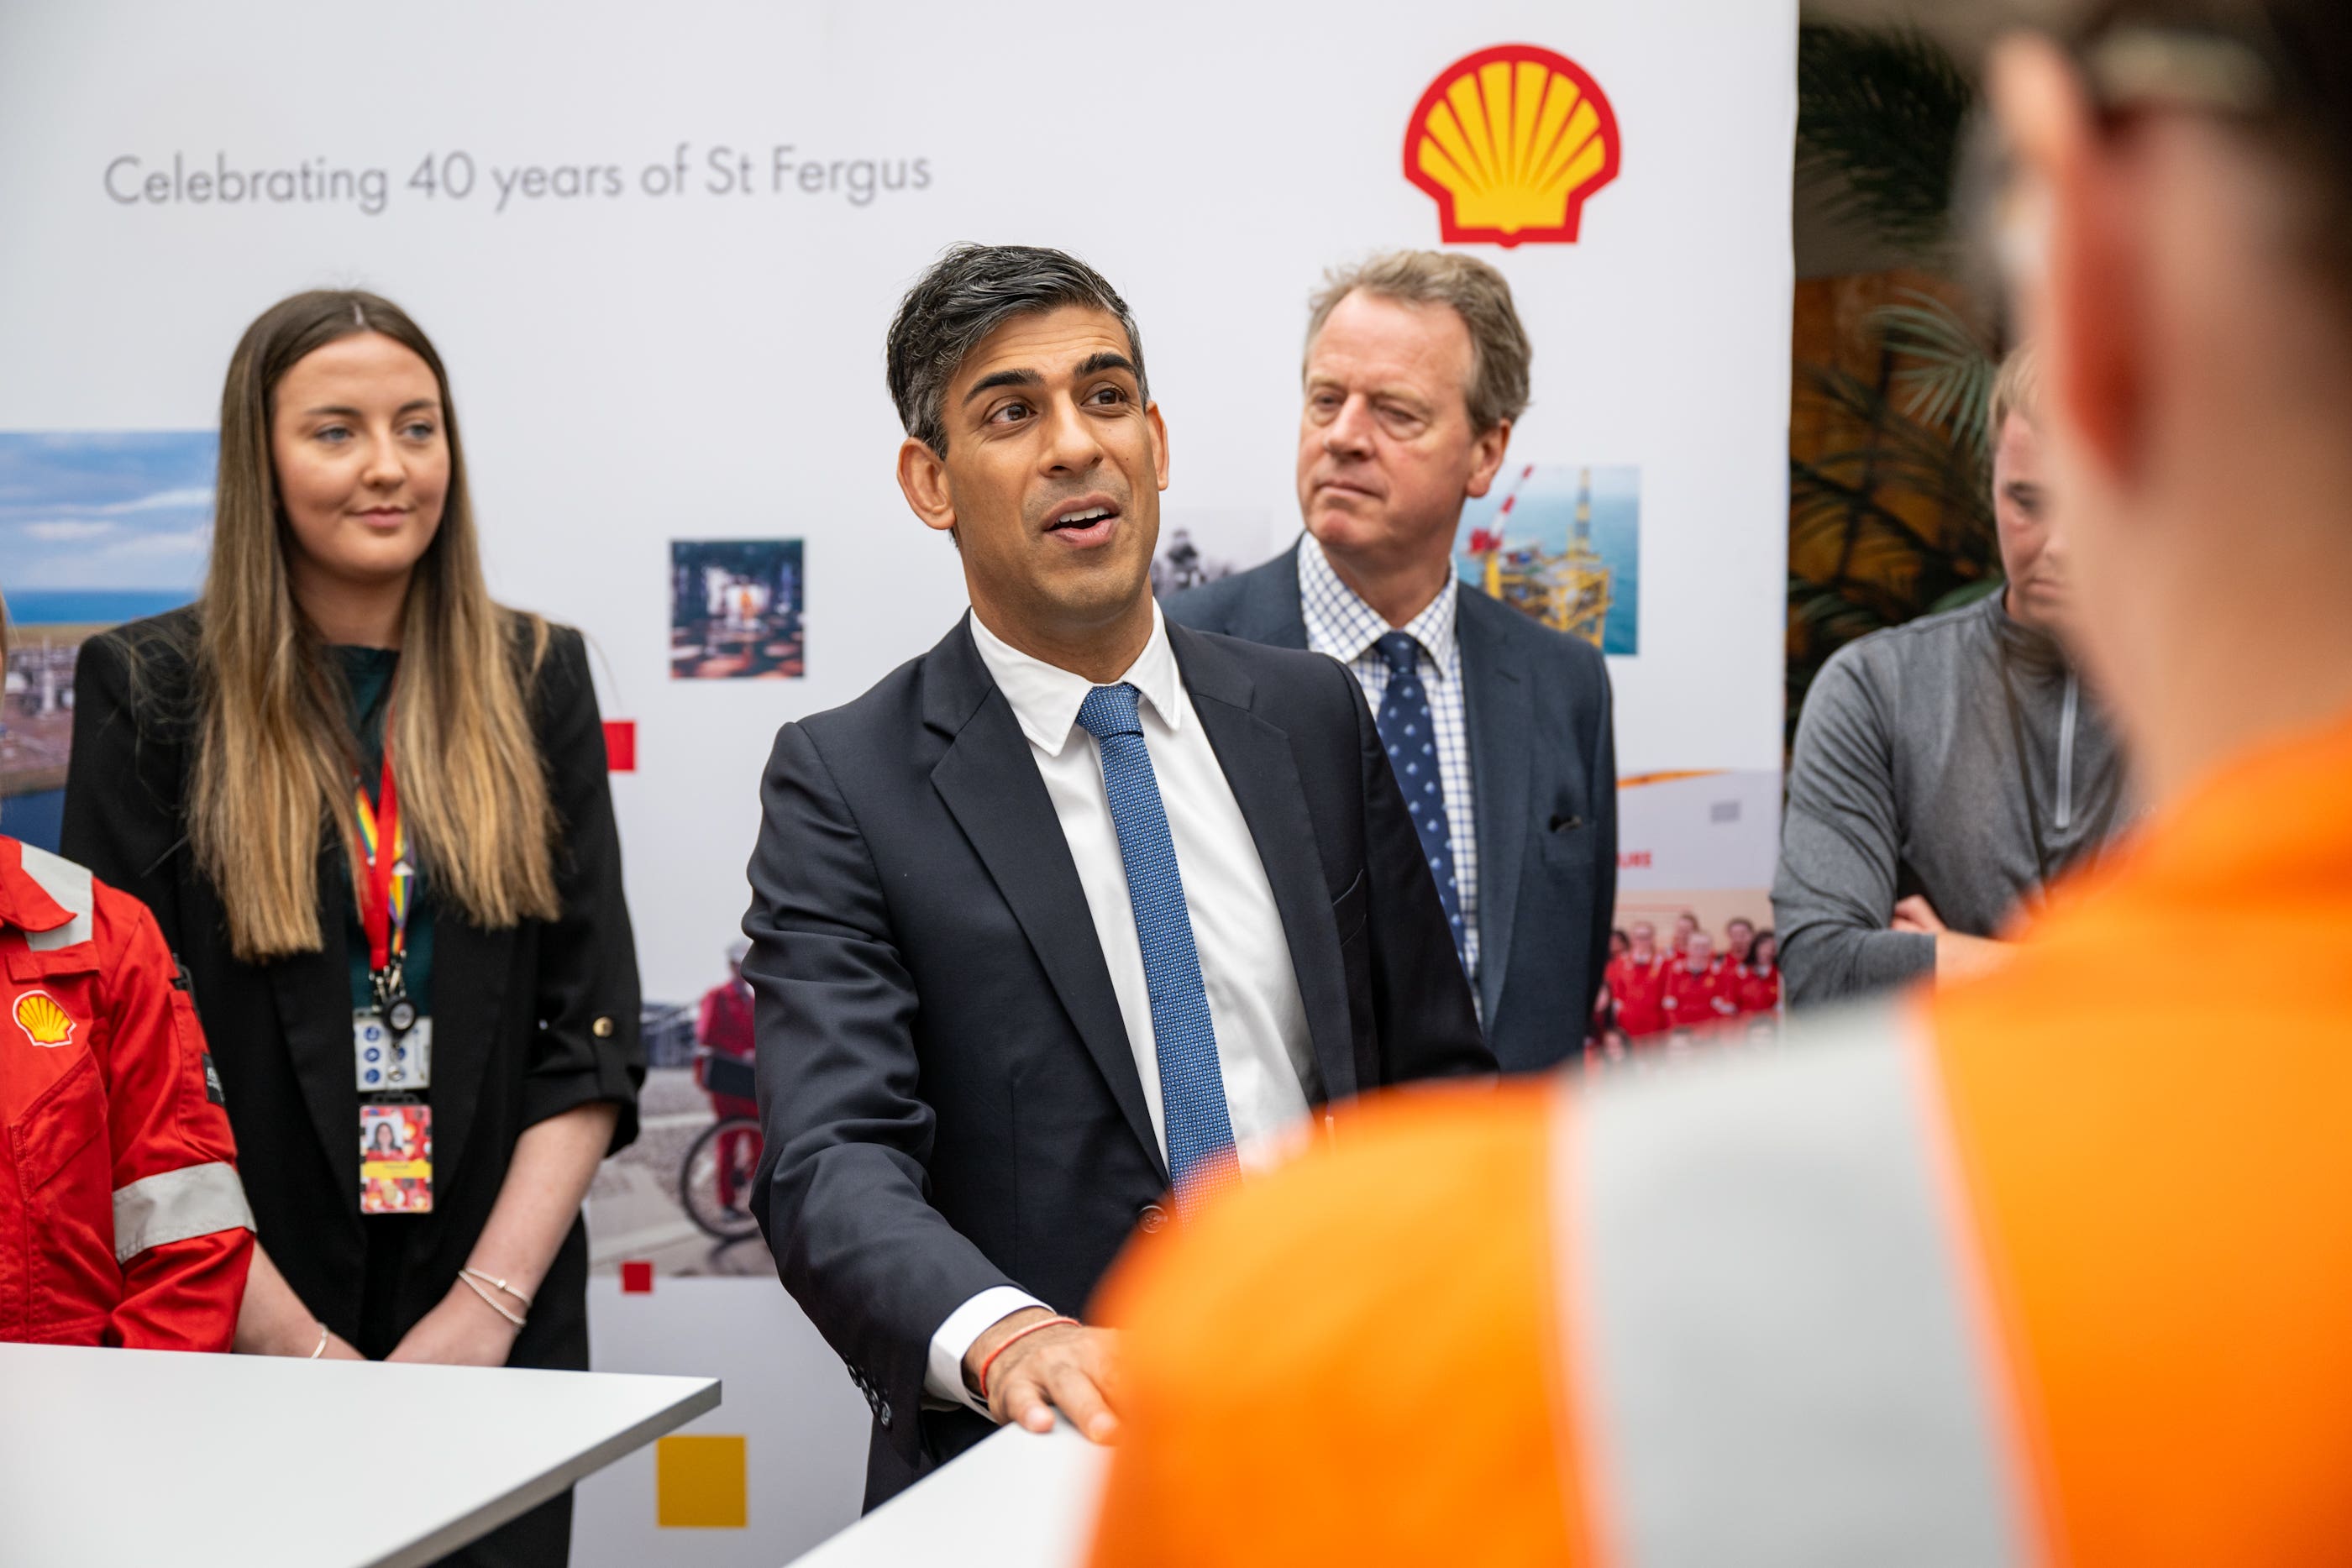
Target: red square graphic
x=620, y=745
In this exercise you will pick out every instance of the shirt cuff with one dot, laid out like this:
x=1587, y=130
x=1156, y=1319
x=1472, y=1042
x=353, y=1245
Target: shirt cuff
x=943, y=1374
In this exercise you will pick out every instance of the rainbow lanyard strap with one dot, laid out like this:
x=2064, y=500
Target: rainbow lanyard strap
x=384, y=895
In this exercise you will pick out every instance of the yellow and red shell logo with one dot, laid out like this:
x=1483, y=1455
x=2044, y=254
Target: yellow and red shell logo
x=42, y=1019
x=1510, y=143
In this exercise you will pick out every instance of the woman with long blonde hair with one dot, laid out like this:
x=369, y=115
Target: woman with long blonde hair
x=370, y=810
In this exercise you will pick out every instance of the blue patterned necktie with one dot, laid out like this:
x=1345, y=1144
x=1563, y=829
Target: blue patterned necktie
x=1409, y=731
x=1192, y=1084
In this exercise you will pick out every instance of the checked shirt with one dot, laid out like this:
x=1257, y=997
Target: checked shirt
x=1349, y=630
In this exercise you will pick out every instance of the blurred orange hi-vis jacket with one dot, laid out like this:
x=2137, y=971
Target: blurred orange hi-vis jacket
x=2054, y=1267
x=121, y=1219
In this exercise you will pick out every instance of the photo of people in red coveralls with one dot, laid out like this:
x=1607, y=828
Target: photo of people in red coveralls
x=1691, y=987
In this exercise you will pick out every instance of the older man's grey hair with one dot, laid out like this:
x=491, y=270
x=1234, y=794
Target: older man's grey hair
x=1499, y=352
x=970, y=292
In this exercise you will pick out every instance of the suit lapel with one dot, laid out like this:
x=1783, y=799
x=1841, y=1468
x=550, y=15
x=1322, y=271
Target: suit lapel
x=471, y=964
x=990, y=786
x=313, y=996
x=1499, y=712
x=1263, y=775
x=1270, y=611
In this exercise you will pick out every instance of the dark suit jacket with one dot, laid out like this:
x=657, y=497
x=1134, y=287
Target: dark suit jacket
x=516, y=1011
x=948, y=1093
x=1543, y=767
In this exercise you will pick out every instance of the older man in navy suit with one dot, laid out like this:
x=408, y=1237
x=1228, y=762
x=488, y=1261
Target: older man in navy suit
x=1498, y=728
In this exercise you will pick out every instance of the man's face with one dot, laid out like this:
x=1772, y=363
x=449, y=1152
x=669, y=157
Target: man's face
x=1052, y=475
x=1645, y=936
x=1702, y=953
x=1739, y=935
x=1386, y=453
x=2031, y=556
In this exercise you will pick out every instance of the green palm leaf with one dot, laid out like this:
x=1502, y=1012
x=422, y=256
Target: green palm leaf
x=1882, y=110
x=1899, y=523
x=1948, y=378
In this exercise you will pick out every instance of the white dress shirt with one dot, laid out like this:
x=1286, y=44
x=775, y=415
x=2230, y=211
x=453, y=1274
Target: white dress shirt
x=1342, y=626
x=1263, y=1049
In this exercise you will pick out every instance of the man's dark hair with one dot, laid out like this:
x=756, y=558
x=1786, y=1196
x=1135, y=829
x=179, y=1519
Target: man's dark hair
x=969, y=292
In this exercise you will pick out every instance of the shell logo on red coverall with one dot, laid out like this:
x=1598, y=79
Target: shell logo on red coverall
x=45, y=1023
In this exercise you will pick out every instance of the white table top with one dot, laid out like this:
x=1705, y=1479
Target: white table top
x=115, y=1457
x=1018, y=1500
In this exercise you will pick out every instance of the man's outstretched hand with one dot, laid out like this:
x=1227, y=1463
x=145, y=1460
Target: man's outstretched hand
x=1068, y=1367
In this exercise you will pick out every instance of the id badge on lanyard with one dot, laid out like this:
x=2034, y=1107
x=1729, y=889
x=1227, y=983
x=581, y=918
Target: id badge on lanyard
x=392, y=1042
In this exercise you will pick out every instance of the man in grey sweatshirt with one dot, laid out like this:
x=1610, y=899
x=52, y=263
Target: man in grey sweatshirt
x=1945, y=770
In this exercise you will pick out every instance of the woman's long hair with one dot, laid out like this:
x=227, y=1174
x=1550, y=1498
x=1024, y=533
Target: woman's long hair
x=275, y=758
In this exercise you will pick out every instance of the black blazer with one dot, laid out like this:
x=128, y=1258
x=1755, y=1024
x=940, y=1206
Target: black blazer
x=1543, y=768
x=947, y=1089
x=528, y=1021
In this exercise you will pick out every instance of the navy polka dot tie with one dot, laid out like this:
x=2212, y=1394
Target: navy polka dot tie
x=1191, y=1083
x=1410, y=733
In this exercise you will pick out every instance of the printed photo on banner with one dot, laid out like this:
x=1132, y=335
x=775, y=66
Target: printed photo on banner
x=395, y=1159
x=1563, y=543
x=735, y=610
x=679, y=1199
x=96, y=528
x=1199, y=545
x=1691, y=953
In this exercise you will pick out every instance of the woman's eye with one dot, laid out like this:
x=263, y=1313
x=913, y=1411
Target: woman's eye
x=420, y=430
x=333, y=434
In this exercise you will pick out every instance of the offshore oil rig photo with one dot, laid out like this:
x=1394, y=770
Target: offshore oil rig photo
x=1570, y=591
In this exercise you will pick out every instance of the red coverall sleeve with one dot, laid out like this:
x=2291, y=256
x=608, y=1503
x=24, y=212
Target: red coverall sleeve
x=183, y=1231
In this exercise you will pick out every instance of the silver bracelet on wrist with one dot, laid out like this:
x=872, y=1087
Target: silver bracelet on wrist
x=465, y=1276
x=496, y=1284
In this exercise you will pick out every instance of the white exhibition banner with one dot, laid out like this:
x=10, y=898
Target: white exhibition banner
x=658, y=248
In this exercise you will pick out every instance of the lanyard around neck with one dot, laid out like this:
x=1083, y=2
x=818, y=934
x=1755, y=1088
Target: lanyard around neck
x=384, y=849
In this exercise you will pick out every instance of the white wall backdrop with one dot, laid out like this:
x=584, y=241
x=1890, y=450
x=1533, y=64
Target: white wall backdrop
x=649, y=362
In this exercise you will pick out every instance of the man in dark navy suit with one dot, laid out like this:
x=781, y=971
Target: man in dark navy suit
x=1072, y=921
x=1498, y=726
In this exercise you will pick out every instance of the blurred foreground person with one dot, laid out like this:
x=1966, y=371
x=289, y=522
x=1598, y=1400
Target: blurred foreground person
x=2017, y=1272
x=121, y=1220
x=1947, y=769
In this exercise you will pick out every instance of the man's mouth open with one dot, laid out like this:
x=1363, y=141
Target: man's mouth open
x=1083, y=524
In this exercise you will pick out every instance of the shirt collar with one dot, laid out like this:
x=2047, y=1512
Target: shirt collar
x=2036, y=650
x=24, y=903
x=1045, y=698
x=1341, y=624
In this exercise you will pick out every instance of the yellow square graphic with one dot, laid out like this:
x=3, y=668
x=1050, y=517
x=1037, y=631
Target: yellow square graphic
x=698, y=1484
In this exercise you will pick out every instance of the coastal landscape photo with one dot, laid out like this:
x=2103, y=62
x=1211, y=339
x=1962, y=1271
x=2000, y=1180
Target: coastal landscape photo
x=96, y=528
